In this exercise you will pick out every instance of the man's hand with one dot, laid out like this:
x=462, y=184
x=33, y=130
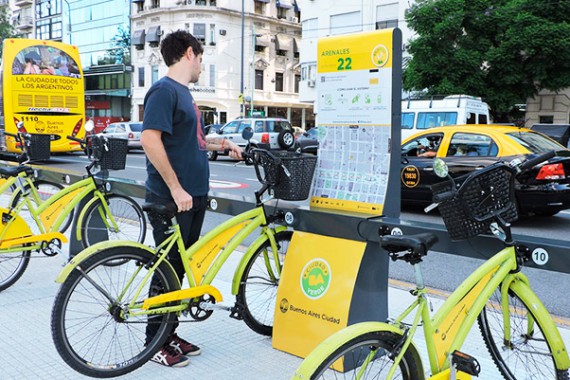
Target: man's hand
x=235, y=150
x=182, y=199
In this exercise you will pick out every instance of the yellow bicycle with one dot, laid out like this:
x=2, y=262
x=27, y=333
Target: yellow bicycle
x=518, y=331
x=104, y=216
x=101, y=311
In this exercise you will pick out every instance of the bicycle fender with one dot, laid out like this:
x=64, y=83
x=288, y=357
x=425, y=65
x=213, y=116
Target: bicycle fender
x=81, y=216
x=90, y=251
x=540, y=313
x=330, y=344
x=247, y=256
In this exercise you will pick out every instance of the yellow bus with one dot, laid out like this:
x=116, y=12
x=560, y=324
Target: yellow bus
x=41, y=85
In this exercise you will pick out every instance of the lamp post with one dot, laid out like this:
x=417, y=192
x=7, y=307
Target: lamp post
x=253, y=36
x=68, y=20
x=242, y=60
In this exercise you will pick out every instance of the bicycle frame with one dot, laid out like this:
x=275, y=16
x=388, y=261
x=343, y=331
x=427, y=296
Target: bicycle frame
x=448, y=329
x=202, y=261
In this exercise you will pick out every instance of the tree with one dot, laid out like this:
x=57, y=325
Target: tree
x=6, y=28
x=121, y=50
x=502, y=50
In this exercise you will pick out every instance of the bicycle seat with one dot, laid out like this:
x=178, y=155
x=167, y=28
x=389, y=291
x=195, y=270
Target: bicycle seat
x=166, y=209
x=418, y=244
x=13, y=171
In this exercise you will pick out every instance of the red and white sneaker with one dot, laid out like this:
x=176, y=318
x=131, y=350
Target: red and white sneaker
x=182, y=346
x=169, y=357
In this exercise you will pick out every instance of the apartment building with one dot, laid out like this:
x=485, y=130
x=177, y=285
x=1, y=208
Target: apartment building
x=251, y=55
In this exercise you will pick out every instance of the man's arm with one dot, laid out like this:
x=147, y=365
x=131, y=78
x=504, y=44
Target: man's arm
x=154, y=149
x=220, y=143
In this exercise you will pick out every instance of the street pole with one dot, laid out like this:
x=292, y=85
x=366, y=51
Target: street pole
x=242, y=59
x=252, y=69
x=68, y=20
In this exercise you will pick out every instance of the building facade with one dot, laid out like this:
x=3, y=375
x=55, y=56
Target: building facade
x=260, y=70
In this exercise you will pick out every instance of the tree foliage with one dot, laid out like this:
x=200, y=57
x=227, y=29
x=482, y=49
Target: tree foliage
x=6, y=28
x=120, y=51
x=502, y=50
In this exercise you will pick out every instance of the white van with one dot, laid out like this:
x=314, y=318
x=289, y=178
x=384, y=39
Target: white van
x=418, y=115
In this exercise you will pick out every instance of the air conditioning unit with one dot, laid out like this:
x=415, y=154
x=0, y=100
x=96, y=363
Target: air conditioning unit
x=294, y=19
x=311, y=83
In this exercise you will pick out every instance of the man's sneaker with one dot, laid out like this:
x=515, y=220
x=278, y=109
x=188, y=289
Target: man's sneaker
x=169, y=357
x=182, y=347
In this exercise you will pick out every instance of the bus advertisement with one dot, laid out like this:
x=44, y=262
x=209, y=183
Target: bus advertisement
x=42, y=85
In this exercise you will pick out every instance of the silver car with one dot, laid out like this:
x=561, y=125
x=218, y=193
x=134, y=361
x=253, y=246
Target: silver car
x=268, y=133
x=126, y=130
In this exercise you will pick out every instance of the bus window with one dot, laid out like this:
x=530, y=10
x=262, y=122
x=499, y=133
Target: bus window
x=43, y=87
x=408, y=120
x=471, y=118
x=483, y=119
x=436, y=119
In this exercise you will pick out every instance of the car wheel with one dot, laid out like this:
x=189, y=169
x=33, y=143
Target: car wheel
x=285, y=139
x=212, y=155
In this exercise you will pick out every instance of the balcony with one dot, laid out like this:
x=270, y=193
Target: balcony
x=23, y=3
x=25, y=23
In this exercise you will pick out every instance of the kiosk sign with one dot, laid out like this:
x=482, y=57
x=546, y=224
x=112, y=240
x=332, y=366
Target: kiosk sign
x=355, y=100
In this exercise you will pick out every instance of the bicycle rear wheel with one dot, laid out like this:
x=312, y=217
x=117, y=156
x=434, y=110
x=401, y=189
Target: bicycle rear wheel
x=12, y=267
x=526, y=355
x=126, y=213
x=96, y=336
x=45, y=190
x=367, y=355
x=258, y=288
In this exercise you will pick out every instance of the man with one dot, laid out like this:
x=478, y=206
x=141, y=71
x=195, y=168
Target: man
x=177, y=165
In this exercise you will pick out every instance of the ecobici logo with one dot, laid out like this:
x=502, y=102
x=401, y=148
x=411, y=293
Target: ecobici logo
x=316, y=278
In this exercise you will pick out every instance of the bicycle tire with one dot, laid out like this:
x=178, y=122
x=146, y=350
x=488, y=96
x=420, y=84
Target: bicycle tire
x=12, y=267
x=257, y=291
x=45, y=190
x=527, y=357
x=356, y=350
x=88, y=330
x=127, y=214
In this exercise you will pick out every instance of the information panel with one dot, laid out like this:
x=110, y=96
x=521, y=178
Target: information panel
x=355, y=103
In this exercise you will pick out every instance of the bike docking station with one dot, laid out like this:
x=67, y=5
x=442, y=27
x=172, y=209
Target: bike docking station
x=335, y=268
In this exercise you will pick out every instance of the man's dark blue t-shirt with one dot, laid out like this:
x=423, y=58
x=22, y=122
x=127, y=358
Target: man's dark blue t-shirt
x=170, y=108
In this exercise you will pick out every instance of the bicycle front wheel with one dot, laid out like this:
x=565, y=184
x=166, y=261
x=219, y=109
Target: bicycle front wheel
x=12, y=267
x=90, y=323
x=528, y=354
x=367, y=357
x=258, y=286
x=126, y=221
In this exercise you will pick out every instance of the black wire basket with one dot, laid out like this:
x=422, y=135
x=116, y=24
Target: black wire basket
x=39, y=147
x=113, y=156
x=481, y=195
x=288, y=174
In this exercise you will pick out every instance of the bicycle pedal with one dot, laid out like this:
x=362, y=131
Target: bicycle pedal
x=236, y=312
x=465, y=363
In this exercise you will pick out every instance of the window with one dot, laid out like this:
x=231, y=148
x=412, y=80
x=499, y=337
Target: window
x=231, y=127
x=200, y=32
x=212, y=75
x=141, y=76
x=49, y=29
x=278, y=81
x=154, y=75
x=212, y=34
x=548, y=119
x=260, y=7
x=154, y=4
x=470, y=144
x=345, y=23
x=297, y=81
x=534, y=142
x=436, y=119
x=482, y=119
x=201, y=2
x=408, y=120
x=387, y=16
x=259, y=79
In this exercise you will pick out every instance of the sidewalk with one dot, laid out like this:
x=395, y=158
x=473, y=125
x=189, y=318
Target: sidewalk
x=230, y=349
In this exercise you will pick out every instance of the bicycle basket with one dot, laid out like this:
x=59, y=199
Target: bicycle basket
x=481, y=195
x=39, y=147
x=115, y=158
x=299, y=166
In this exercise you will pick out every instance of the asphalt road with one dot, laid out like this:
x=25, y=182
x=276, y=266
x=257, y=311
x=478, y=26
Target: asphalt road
x=440, y=270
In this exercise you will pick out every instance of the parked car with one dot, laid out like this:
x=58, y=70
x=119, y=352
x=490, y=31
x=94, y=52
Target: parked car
x=544, y=190
x=309, y=141
x=268, y=133
x=212, y=128
x=126, y=130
